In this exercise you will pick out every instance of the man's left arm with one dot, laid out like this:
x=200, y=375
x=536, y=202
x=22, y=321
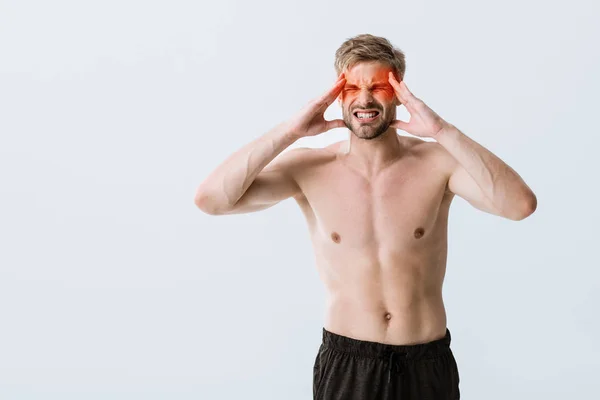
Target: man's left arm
x=483, y=179
x=479, y=176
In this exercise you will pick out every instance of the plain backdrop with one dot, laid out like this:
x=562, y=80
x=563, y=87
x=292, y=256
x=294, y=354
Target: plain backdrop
x=113, y=285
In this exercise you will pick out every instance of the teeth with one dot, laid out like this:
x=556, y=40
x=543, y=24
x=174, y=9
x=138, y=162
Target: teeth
x=366, y=115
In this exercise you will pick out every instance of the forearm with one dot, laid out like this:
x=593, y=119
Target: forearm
x=499, y=182
x=230, y=180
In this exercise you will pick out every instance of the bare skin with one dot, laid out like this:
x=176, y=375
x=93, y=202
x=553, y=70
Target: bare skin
x=376, y=206
x=380, y=241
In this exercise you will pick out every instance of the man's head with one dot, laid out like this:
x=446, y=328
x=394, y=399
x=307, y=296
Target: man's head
x=366, y=61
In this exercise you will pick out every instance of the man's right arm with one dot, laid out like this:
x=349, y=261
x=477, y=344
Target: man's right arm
x=242, y=184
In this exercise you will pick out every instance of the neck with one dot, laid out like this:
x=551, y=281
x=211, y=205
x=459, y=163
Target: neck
x=375, y=154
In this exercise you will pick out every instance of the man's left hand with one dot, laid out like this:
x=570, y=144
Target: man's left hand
x=424, y=122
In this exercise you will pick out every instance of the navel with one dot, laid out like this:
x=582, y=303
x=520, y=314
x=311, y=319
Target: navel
x=336, y=237
x=388, y=316
x=419, y=232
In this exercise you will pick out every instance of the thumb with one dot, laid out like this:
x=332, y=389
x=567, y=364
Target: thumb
x=336, y=123
x=400, y=125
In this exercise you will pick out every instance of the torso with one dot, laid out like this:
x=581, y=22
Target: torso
x=380, y=243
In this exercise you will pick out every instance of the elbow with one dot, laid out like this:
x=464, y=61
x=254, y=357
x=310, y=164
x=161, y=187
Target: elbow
x=528, y=207
x=205, y=203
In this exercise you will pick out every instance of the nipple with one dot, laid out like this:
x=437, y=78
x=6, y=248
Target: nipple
x=336, y=237
x=419, y=232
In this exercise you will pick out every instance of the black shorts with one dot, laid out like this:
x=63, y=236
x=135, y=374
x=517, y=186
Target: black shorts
x=347, y=368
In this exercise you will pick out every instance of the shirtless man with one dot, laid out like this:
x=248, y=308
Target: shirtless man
x=377, y=211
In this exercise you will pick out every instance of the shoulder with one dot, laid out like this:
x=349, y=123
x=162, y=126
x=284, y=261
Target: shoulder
x=434, y=152
x=300, y=158
x=434, y=158
x=439, y=160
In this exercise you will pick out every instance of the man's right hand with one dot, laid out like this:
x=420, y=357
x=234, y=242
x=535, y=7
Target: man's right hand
x=310, y=120
x=239, y=184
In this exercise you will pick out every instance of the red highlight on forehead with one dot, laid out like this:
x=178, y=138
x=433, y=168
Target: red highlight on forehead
x=374, y=77
x=368, y=73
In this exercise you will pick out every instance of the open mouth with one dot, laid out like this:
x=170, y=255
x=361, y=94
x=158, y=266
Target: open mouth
x=364, y=117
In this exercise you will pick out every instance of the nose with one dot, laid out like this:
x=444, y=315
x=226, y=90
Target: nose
x=365, y=96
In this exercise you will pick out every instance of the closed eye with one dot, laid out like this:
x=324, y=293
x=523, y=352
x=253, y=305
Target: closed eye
x=373, y=88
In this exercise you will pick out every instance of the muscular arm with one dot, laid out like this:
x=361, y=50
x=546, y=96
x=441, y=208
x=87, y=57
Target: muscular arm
x=239, y=184
x=484, y=180
x=244, y=182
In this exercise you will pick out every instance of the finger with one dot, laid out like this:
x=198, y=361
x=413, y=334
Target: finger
x=332, y=93
x=404, y=95
x=412, y=100
x=398, y=124
x=336, y=123
x=403, y=85
x=340, y=77
x=398, y=89
x=408, y=95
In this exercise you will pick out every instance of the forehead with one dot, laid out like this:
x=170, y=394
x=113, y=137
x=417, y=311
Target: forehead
x=368, y=73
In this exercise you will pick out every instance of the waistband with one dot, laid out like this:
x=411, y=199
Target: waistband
x=378, y=350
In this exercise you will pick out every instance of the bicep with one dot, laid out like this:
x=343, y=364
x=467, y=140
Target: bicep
x=463, y=185
x=276, y=182
x=268, y=189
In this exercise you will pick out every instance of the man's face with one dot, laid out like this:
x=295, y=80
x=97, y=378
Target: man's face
x=368, y=88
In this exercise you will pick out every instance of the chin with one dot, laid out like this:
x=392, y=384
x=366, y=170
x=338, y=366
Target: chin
x=368, y=133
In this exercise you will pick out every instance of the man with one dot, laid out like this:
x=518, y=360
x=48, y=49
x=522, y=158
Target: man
x=377, y=210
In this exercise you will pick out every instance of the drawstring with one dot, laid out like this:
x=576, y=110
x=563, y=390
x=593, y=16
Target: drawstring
x=391, y=363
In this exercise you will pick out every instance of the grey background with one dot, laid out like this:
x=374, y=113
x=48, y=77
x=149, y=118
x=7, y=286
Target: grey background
x=114, y=286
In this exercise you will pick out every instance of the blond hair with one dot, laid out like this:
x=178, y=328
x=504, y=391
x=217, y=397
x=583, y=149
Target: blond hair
x=366, y=47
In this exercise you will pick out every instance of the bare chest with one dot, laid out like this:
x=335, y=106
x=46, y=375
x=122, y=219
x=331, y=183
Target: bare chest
x=405, y=206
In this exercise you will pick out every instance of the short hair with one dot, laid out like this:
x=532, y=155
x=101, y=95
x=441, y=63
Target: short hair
x=367, y=47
